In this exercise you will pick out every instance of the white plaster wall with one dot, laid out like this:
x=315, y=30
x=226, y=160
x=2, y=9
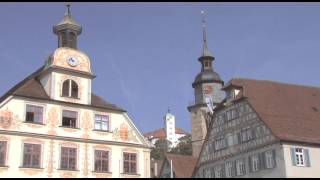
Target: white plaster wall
x=300, y=172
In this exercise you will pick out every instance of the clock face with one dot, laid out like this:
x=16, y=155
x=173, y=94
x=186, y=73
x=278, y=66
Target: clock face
x=72, y=61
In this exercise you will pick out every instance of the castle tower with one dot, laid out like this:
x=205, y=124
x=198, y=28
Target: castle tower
x=170, y=127
x=207, y=86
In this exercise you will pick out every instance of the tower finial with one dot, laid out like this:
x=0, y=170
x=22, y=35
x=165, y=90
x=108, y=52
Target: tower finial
x=168, y=109
x=206, y=51
x=68, y=4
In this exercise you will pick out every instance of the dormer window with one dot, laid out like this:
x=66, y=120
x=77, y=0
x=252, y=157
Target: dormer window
x=70, y=88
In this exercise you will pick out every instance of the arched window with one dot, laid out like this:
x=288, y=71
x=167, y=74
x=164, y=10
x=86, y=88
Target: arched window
x=74, y=89
x=65, y=88
x=72, y=40
x=70, y=88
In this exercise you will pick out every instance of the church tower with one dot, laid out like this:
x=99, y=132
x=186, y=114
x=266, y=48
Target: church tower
x=207, y=87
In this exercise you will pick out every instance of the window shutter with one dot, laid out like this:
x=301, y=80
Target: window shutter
x=250, y=164
x=293, y=156
x=244, y=167
x=307, y=157
x=223, y=172
x=262, y=160
x=274, y=158
x=239, y=137
x=233, y=169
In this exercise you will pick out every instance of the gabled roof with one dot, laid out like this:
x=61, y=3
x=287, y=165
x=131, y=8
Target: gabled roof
x=31, y=87
x=292, y=112
x=161, y=133
x=182, y=165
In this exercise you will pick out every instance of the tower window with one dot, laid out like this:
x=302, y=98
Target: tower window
x=70, y=88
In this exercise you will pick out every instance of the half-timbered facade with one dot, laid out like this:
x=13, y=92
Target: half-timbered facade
x=263, y=129
x=53, y=125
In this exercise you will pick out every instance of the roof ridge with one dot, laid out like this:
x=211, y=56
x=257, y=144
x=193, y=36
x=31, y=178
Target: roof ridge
x=21, y=83
x=276, y=82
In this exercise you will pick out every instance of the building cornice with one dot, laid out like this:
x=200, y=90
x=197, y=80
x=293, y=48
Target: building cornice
x=73, y=139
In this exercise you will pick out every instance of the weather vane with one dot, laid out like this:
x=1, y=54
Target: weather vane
x=203, y=18
x=68, y=4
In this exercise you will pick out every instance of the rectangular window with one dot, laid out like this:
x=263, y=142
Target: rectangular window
x=101, y=161
x=229, y=117
x=31, y=155
x=240, y=167
x=229, y=169
x=130, y=163
x=247, y=135
x=218, y=172
x=102, y=122
x=68, y=158
x=234, y=113
x=255, y=163
x=220, y=143
x=34, y=114
x=69, y=118
x=3, y=152
x=299, y=157
x=269, y=159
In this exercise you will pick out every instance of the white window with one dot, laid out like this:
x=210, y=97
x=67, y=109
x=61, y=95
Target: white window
x=246, y=135
x=228, y=169
x=269, y=159
x=229, y=117
x=299, y=157
x=230, y=139
x=234, y=113
x=255, y=163
x=101, y=122
x=218, y=172
x=220, y=143
x=206, y=173
x=241, y=169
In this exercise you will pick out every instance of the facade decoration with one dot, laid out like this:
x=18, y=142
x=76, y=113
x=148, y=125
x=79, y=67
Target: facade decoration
x=62, y=129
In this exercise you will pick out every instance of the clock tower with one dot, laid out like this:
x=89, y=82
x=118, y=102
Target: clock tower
x=68, y=74
x=207, y=87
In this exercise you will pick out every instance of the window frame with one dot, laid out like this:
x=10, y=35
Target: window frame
x=101, y=126
x=269, y=159
x=255, y=163
x=300, y=159
x=5, y=153
x=70, y=83
x=68, y=158
x=124, y=161
x=76, y=120
x=37, y=106
x=229, y=168
x=218, y=171
x=32, y=154
x=240, y=167
x=101, y=159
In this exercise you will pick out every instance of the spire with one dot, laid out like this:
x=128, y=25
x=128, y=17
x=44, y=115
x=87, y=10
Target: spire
x=68, y=13
x=206, y=52
x=67, y=30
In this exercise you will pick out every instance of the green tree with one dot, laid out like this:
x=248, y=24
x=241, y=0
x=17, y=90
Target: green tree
x=161, y=147
x=184, y=147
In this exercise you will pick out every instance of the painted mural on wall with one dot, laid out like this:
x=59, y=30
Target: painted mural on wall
x=124, y=133
x=8, y=119
x=61, y=56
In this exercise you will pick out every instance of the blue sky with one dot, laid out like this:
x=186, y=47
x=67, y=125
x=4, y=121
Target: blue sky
x=145, y=54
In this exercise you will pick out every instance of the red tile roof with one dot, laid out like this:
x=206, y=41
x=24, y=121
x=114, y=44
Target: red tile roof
x=292, y=112
x=161, y=133
x=182, y=165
